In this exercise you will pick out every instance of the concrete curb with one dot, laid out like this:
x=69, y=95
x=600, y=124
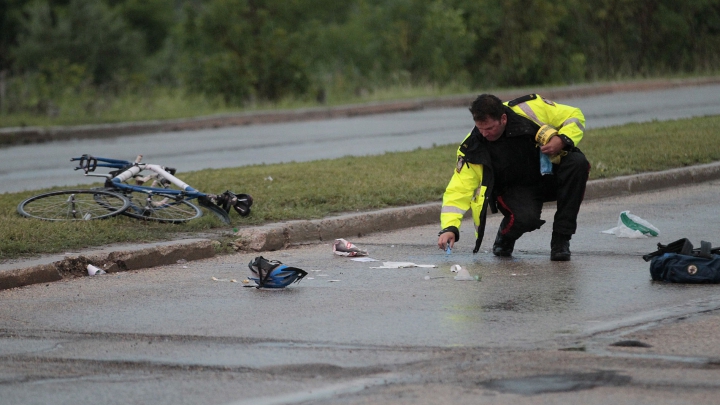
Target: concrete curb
x=280, y=235
x=29, y=135
x=112, y=260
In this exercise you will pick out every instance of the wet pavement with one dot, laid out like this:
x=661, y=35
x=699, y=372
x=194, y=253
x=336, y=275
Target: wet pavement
x=592, y=330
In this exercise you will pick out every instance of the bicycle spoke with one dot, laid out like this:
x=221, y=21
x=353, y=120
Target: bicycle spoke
x=73, y=205
x=161, y=208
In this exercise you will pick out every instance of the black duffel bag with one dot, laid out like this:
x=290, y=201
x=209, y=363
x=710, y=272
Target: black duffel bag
x=678, y=262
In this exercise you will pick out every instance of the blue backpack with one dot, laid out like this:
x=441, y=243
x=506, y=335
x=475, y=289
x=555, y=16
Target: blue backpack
x=678, y=262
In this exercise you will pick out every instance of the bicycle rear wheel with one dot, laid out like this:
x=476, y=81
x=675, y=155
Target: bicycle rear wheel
x=73, y=205
x=160, y=208
x=212, y=207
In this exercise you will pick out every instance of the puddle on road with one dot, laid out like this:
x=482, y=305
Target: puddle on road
x=542, y=384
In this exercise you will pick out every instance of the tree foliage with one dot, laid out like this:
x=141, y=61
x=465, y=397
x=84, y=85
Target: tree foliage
x=85, y=32
x=248, y=50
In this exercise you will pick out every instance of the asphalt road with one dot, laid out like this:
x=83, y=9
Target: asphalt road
x=531, y=331
x=37, y=166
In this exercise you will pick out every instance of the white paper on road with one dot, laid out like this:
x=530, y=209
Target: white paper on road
x=364, y=259
x=227, y=280
x=403, y=265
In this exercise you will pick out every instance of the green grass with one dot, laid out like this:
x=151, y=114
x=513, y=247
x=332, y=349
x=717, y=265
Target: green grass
x=637, y=148
x=317, y=189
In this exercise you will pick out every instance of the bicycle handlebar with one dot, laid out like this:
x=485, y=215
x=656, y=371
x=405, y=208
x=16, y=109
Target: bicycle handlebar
x=89, y=163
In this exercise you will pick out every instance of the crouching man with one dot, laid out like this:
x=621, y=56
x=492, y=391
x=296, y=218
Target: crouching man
x=519, y=155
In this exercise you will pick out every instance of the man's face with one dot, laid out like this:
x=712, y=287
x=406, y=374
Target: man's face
x=491, y=129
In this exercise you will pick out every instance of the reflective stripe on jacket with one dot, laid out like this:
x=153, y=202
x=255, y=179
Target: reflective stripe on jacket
x=569, y=121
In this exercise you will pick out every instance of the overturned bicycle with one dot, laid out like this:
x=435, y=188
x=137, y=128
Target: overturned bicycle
x=156, y=195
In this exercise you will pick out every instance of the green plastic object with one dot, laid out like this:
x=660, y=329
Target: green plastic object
x=635, y=226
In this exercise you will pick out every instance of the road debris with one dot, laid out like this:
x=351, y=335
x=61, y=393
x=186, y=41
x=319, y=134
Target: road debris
x=226, y=280
x=403, y=265
x=364, y=259
x=92, y=270
x=462, y=273
x=273, y=274
x=341, y=247
x=632, y=226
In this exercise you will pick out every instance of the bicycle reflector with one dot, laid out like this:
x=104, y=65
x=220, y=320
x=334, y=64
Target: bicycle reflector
x=273, y=274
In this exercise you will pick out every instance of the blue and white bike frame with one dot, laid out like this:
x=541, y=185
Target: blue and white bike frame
x=161, y=178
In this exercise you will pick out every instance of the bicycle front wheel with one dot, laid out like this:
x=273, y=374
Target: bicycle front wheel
x=73, y=205
x=160, y=208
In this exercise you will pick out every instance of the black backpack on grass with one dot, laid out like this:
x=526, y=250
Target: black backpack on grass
x=678, y=262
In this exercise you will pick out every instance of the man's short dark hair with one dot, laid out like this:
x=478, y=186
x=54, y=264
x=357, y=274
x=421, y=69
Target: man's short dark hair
x=487, y=106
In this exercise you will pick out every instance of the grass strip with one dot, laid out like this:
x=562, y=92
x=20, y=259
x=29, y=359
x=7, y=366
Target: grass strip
x=316, y=189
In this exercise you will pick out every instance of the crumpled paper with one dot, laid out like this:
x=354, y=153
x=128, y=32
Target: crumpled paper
x=341, y=247
x=632, y=226
x=462, y=273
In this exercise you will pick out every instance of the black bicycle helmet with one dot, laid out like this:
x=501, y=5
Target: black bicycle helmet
x=240, y=202
x=243, y=204
x=273, y=274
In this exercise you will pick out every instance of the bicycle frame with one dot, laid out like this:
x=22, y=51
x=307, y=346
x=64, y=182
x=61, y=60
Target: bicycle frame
x=132, y=172
x=219, y=204
x=89, y=163
x=155, y=202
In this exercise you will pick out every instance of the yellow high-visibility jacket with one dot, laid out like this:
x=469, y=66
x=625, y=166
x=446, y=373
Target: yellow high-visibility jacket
x=471, y=185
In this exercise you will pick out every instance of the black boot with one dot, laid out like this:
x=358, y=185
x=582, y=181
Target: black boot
x=560, y=247
x=503, y=246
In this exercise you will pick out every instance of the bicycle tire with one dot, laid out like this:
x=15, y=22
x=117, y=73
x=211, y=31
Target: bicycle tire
x=73, y=205
x=162, y=208
x=219, y=212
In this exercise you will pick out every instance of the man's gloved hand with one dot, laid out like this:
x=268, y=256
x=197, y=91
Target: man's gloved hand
x=550, y=143
x=543, y=135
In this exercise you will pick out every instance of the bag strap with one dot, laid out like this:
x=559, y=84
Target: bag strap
x=684, y=247
x=705, y=250
x=681, y=246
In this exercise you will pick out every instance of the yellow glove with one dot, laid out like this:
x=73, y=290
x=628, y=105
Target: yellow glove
x=543, y=136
